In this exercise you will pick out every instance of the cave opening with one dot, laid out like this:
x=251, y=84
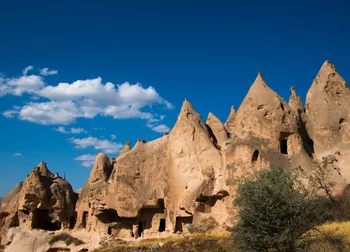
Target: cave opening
x=162, y=224
x=255, y=156
x=284, y=146
x=83, y=222
x=181, y=221
x=140, y=229
x=42, y=220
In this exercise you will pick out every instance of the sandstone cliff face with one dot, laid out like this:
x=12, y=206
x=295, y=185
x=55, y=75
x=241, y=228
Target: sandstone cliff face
x=266, y=131
x=190, y=175
x=328, y=113
x=43, y=201
x=154, y=183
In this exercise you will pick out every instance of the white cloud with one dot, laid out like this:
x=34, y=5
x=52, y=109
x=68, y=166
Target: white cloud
x=80, y=99
x=10, y=113
x=87, y=158
x=27, y=69
x=161, y=128
x=113, y=137
x=53, y=112
x=17, y=154
x=71, y=131
x=45, y=71
x=24, y=84
x=103, y=145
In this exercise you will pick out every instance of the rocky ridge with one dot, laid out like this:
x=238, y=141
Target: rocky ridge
x=188, y=177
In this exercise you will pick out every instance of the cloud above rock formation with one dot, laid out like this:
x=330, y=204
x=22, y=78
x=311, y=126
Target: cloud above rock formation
x=64, y=103
x=87, y=158
x=103, y=145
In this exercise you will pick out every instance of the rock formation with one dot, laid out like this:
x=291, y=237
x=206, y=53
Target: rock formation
x=190, y=175
x=42, y=201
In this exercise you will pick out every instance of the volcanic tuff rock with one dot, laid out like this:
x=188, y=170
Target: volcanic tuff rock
x=43, y=201
x=189, y=176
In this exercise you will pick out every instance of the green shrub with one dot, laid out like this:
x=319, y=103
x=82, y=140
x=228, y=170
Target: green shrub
x=273, y=211
x=67, y=238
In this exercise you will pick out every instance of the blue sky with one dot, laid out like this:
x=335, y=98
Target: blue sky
x=79, y=78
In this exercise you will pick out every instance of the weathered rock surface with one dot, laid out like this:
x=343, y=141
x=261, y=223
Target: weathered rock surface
x=42, y=201
x=189, y=177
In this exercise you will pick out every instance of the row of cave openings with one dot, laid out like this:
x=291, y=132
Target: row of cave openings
x=43, y=218
x=144, y=221
x=40, y=219
x=152, y=218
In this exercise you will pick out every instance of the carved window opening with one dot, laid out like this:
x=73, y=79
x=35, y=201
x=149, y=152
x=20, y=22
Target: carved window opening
x=109, y=231
x=140, y=229
x=284, y=146
x=162, y=224
x=85, y=214
x=255, y=157
x=181, y=222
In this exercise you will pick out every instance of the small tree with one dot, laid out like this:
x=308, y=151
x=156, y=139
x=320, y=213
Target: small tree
x=273, y=211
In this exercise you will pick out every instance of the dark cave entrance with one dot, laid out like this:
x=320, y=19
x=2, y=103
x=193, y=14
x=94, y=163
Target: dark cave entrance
x=42, y=220
x=109, y=231
x=255, y=156
x=284, y=146
x=140, y=229
x=284, y=142
x=83, y=221
x=162, y=225
x=180, y=221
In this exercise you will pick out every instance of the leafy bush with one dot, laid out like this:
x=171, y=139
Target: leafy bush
x=273, y=211
x=68, y=239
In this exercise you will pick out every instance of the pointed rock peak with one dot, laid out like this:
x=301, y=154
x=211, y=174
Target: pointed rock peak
x=126, y=148
x=212, y=119
x=293, y=91
x=187, y=106
x=230, y=120
x=232, y=114
x=44, y=171
x=259, y=80
x=328, y=66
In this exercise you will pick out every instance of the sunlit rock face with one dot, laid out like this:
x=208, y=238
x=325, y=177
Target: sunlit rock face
x=189, y=176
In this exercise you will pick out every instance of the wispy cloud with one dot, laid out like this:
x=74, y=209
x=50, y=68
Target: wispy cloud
x=45, y=71
x=113, y=137
x=27, y=69
x=161, y=128
x=87, y=158
x=70, y=131
x=17, y=154
x=99, y=144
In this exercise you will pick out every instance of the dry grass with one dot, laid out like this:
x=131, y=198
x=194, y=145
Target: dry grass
x=329, y=237
x=201, y=241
